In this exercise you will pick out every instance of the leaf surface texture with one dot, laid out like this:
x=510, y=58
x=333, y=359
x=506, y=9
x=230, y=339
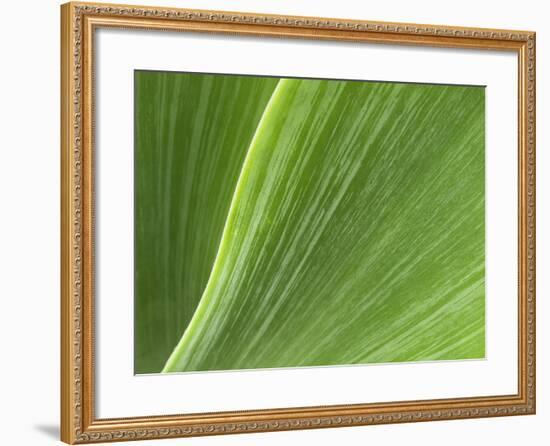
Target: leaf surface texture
x=308, y=222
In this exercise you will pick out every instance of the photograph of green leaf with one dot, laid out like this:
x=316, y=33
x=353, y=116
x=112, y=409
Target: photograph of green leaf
x=290, y=222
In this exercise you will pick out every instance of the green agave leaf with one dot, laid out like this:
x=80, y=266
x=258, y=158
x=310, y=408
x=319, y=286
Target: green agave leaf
x=192, y=133
x=355, y=233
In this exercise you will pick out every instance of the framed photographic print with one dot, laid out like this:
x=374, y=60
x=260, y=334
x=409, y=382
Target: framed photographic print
x=276, y=223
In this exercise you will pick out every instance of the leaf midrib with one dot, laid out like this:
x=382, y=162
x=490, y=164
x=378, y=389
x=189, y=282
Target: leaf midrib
x=201, y=308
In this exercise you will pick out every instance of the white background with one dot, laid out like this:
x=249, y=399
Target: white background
x=122, y=51
x=29, y=239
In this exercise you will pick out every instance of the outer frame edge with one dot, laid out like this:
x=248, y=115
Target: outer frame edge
x=67, y=351
x=75, y=344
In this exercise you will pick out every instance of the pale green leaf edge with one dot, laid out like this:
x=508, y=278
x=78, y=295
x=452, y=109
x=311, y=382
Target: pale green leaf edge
x=186, y=339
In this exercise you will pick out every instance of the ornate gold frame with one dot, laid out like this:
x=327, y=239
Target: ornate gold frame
x=78, y=423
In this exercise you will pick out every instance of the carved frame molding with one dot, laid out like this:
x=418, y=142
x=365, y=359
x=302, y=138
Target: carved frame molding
x=78, y=424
